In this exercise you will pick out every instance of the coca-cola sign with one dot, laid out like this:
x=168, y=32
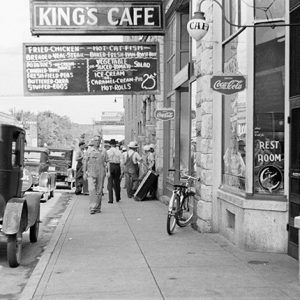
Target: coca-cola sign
x=228, y=84
x=165, y=114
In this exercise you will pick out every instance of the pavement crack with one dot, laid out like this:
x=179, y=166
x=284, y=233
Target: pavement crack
x=148, y=265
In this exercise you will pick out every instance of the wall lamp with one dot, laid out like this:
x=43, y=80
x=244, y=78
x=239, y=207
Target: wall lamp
x=197, y=27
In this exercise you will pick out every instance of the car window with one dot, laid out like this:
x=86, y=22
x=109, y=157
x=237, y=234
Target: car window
x=14, y=162
x=32, y=156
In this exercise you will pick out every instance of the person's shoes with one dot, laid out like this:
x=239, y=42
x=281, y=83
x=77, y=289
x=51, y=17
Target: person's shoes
x=92, y=212
x=110, y=202
x=118, y=200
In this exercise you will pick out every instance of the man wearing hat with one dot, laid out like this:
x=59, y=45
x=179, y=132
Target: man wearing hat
x=114, y=158
x=131, y=168
x=94, y=171
x=151, y=165
x=79, y=172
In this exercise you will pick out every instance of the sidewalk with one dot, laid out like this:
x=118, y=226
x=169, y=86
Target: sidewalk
x=125, y=253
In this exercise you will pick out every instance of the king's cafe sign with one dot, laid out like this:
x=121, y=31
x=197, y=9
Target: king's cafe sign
x=97, y=17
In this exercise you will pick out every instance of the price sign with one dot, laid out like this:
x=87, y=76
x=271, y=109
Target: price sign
x=91, y=69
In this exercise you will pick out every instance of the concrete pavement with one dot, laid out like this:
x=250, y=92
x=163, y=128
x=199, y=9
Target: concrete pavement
x=125, y=253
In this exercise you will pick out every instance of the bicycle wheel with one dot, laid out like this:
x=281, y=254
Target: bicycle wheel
x=186, y=213
x=171, y=220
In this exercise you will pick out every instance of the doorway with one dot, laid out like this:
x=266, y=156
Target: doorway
x=294, y=199
x=294, y=180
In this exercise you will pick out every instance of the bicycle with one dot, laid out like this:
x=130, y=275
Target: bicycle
x=181, y=208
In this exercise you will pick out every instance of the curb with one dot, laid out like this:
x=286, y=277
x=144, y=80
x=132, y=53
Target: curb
x=39, y=270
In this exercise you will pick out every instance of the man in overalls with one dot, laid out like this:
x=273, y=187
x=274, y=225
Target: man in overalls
x=131, y=169
x=94, y=170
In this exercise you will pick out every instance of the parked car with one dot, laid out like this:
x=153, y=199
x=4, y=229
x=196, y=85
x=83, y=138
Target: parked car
x=37, y=166
x=19, y=211
x=61, y=162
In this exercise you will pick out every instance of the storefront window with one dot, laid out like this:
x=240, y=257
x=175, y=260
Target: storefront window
x=170, y=54
x=184, y=133
x=234, y=116
x=232, y=10
x=184, y=41
x=193, y=129
x=269, y=110
x=269, y=9
x=171, y=142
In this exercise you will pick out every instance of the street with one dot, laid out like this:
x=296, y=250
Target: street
x=13, y=280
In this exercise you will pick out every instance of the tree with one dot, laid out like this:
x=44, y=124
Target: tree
x=54, y=130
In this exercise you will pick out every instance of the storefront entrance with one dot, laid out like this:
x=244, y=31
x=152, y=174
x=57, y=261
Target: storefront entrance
x=294, y=197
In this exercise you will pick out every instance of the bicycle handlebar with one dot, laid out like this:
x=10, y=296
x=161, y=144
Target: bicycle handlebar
x=185, y=174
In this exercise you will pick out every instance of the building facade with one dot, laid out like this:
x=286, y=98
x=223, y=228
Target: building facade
x=243, y=146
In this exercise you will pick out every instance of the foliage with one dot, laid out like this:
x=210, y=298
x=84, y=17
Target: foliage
x=54, y=130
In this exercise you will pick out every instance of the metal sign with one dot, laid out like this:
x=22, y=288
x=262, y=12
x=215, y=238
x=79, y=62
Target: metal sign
x=165, y=114
x=270, y=178
x=228, y=84
x=97, y=17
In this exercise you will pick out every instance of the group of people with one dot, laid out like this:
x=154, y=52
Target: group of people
x=95, y=163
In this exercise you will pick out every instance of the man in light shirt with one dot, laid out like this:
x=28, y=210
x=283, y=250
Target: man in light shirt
x=114, y=157
x=94, y=171
x=131, y=168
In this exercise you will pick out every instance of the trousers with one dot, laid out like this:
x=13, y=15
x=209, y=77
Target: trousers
x=114, y=182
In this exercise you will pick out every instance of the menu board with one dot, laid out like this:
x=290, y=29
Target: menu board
x=91, y=69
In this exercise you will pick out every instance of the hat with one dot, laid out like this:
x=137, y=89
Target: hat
x=106, y=144
x=133, y=144
x=123, y=148
x=112, y=142
x=91, y=143
x=146, y=147
x=81, y=143
x=151, y=146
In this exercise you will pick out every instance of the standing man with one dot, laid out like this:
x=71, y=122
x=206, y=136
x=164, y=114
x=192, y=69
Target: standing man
x=114, y=158
x=79, y=172
x=124, y=156
x=131, y=169
x=151, y=166
x=94, y=171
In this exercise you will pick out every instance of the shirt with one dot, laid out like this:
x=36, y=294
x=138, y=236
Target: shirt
x=114, y=155
x=94, y=163
x=136, y=158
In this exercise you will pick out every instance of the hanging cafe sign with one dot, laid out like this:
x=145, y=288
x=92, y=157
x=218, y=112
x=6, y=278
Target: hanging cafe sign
x=228, y=84
x=115, y=17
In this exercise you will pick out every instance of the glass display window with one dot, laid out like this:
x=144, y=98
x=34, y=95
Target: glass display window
x=234, y=117
x=269, y=110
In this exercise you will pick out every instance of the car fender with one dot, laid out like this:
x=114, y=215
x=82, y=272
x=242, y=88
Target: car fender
x=2, y=206
x=27, y=180
x=15, y=216
x=44, y=180
x=33, y=201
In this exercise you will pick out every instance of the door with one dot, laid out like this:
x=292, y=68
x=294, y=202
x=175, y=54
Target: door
x=294, y=180
x=294, y=198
